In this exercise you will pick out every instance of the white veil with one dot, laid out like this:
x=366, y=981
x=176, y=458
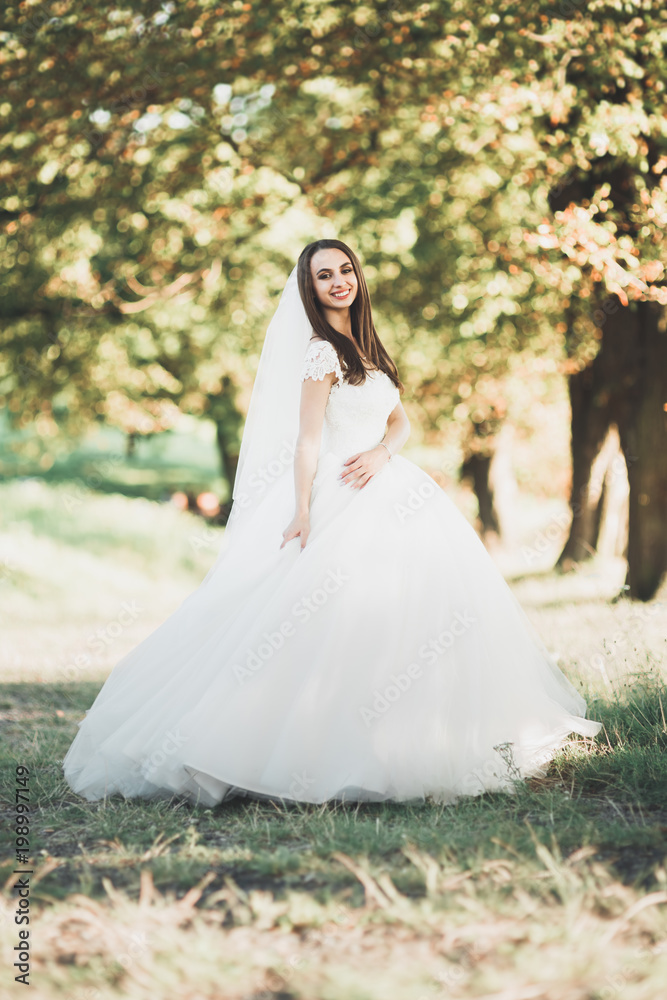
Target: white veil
x=272, y=424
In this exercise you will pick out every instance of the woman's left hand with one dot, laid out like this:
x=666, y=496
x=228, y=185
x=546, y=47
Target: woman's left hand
x=363, y=466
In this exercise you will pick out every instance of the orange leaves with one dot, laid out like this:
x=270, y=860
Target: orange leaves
x=557, y=114
x=653, y=270
x=601, y=256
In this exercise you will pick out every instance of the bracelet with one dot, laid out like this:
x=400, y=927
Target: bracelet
x=388, y=449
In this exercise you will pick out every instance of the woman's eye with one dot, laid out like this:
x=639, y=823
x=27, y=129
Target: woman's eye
x=327, y=277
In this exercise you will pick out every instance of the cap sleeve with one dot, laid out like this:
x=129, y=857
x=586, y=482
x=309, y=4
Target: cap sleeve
x=320, y=359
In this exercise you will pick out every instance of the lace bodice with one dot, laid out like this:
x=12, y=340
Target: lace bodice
x=355, y=417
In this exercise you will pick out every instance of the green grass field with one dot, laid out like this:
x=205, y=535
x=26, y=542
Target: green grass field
x=557, y=892
x=182, y=458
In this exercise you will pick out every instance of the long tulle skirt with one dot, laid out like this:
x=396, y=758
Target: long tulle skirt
x=387, y=660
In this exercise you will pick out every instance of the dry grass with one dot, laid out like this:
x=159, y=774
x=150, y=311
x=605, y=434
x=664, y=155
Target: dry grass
x=568, y=931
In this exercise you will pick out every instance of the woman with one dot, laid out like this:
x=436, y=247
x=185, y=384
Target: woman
x=354, y=640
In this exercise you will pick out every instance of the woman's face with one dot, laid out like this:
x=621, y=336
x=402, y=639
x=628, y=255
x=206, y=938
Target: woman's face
x=334, y=280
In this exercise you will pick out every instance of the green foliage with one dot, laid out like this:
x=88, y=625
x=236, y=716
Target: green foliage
x=501, y=172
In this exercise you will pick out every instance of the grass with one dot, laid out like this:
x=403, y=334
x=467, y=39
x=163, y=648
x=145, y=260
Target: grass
x=557, y=892
x=182, y=458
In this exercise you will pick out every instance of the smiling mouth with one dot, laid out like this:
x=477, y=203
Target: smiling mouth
x=340, y=295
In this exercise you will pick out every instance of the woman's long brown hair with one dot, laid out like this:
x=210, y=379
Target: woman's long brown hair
x=366, y=340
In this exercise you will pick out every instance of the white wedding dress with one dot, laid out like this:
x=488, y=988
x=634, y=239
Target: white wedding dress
x=388, y=659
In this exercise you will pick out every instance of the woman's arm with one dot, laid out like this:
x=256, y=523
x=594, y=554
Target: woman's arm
x=365, y=464
x=398, y=429
x=314, y=395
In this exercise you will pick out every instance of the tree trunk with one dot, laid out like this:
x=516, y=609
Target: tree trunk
x=476, y=468
x=504, y=486
x=642, y=423
x=626, y=384
x=590, y=423
x=228, y=457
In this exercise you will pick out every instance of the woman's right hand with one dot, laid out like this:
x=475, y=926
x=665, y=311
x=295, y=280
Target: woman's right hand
x=299, y=526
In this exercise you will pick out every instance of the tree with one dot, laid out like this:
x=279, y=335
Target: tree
x=503, y=174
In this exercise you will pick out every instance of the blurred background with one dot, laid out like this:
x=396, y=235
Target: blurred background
x=161, y=167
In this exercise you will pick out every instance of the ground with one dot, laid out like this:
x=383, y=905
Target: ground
x=557, y=892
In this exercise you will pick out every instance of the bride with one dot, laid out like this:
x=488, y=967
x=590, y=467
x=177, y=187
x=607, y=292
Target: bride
x=353, y=640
